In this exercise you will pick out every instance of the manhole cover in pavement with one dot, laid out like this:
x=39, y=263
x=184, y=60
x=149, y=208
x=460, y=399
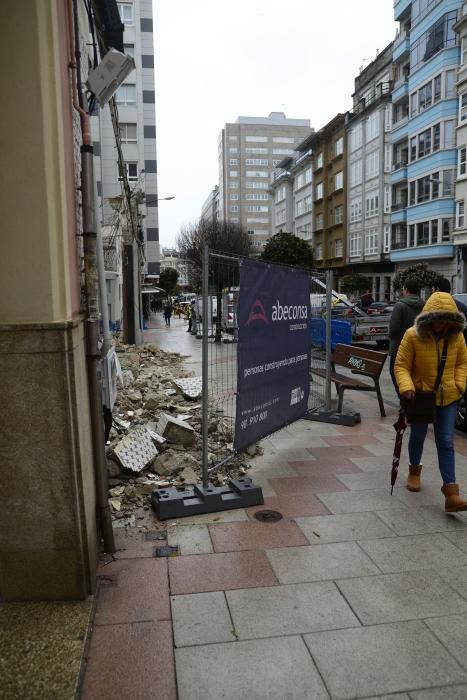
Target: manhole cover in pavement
x=268, y=516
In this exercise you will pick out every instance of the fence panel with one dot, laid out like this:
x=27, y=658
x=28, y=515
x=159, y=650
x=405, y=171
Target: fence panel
x=218, y=324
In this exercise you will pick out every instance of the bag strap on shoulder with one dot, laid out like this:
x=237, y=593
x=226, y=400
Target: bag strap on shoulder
x=441, y=365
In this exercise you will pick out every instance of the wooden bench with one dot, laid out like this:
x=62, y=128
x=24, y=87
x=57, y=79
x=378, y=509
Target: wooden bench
x=368, y=363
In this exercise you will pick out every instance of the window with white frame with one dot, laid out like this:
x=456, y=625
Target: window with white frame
x=462, y=106
x=233, y=138
x=339, y=180
x=339, y=248
x=371, y=241
x=126, y=94
x=308, y=203
x=256, y=161
x=450, y=82
x=282, y=151
x=233, y=161
x=127, y=133
x=299, y=181
x=462, y=162
x=387, y=159
x=339, y=147
x=372, y=126
x=275, y=162
x=257, y=196
x=319, y=222
x=233, y=185
x=233, y=173
x=356, y=137
x=387, y=238
x=319, y=161
x=280, y=193
x=258, y=139
x=280, y=216
x=126, y=12
x=256, y=149
x=308, y=175
x=355, y=241
x=388, y=118
x=258, y=186
x=234, y=207
x=387, y=199
x=372, y=164
x=129, y=49
x=371, y=204
x=257, y=208
x=233, y=149
x=319, y=251
x=131, y=169
x=257, y=173
x=283, y=139
x=256, y=220
x=449, y=134
x=464, y=51
x=356, y=173
x=319, y=191
x=299, y=207
x=233, y=196
x=460, y=214
x=339, y=215
x=355, y=209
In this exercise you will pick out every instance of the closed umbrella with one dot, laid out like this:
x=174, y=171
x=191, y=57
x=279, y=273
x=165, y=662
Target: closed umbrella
x=399, y=426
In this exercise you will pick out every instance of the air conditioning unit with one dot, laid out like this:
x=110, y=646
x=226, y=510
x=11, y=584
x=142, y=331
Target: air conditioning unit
x=104, y=80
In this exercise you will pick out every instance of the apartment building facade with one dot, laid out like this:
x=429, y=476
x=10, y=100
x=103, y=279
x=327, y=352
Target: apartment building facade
x=329, y=146
x=424, y=97
x=248, y=150
x=292, y=190
x=135, y=101
x=369, y=175
x=210, y=208
x=460, y=229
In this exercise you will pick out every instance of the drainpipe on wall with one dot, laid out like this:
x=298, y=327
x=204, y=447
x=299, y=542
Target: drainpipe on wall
x=90, y=250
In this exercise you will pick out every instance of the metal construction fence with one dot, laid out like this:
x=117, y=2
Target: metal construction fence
x=218, y=326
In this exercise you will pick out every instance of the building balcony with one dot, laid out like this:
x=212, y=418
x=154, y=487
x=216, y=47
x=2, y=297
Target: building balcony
x=401, y=89
x=398, y=206
x=399, y=216
x=401, y=47
x=398, y=245
x=424, y=252
x=381, y=92
x=400, y=7
x=399, y=172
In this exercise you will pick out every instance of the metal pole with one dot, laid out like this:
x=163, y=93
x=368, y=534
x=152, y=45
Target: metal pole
x=107, y=335
x=92, y=346
x=205, y=363
x=327, y=388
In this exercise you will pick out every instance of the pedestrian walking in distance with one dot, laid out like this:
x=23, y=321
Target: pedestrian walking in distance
x=419, y=367
x=167, y=314
x=403, y=317
x=189, y=317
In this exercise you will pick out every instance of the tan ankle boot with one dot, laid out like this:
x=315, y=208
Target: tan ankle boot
x=454, y=502
x=413, y=480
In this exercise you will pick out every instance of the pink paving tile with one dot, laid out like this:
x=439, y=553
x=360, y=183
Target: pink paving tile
x=132, y=543
x=133, y=590
x=220, y=572
x=336, y=452
x=232, y=537
x=319, y=467
x=293, y=506
x=131, y=661
x=344, y=440
x=299, y=484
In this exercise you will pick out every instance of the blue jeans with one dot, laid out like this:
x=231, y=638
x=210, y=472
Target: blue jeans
x=444, y=437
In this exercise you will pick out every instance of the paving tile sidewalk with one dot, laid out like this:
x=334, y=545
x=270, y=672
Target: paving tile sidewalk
x=353, y=594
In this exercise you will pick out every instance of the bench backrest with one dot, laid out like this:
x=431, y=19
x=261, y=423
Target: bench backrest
x=369, y=362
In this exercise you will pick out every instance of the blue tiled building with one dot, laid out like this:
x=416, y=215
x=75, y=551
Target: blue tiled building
x=425, y=62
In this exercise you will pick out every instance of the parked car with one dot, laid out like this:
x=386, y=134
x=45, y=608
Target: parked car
x=377, y=307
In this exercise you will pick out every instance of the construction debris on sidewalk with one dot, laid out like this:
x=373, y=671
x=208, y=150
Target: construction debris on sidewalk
x=156, y=437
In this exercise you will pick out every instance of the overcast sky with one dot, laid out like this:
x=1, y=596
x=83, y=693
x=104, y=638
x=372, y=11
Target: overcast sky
x=217, y=60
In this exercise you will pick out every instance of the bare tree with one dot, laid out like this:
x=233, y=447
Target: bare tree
x=222, y=237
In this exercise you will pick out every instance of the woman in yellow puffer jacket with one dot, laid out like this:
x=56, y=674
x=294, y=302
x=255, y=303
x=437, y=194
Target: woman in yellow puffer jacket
x=416, y=367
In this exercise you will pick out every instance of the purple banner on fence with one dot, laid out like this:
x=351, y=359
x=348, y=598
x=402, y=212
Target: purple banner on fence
x=273, y=313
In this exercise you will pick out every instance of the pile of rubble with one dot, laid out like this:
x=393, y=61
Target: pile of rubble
x=156, y=439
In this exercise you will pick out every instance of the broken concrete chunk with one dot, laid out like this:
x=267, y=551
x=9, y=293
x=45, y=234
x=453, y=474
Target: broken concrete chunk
x=189, y=476
x=115, y=504
x=136, y=450
x=190, y=386
x=175, y=430
x=127, y=378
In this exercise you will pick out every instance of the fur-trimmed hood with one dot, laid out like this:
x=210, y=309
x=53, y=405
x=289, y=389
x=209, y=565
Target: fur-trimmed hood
x=440, y=316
